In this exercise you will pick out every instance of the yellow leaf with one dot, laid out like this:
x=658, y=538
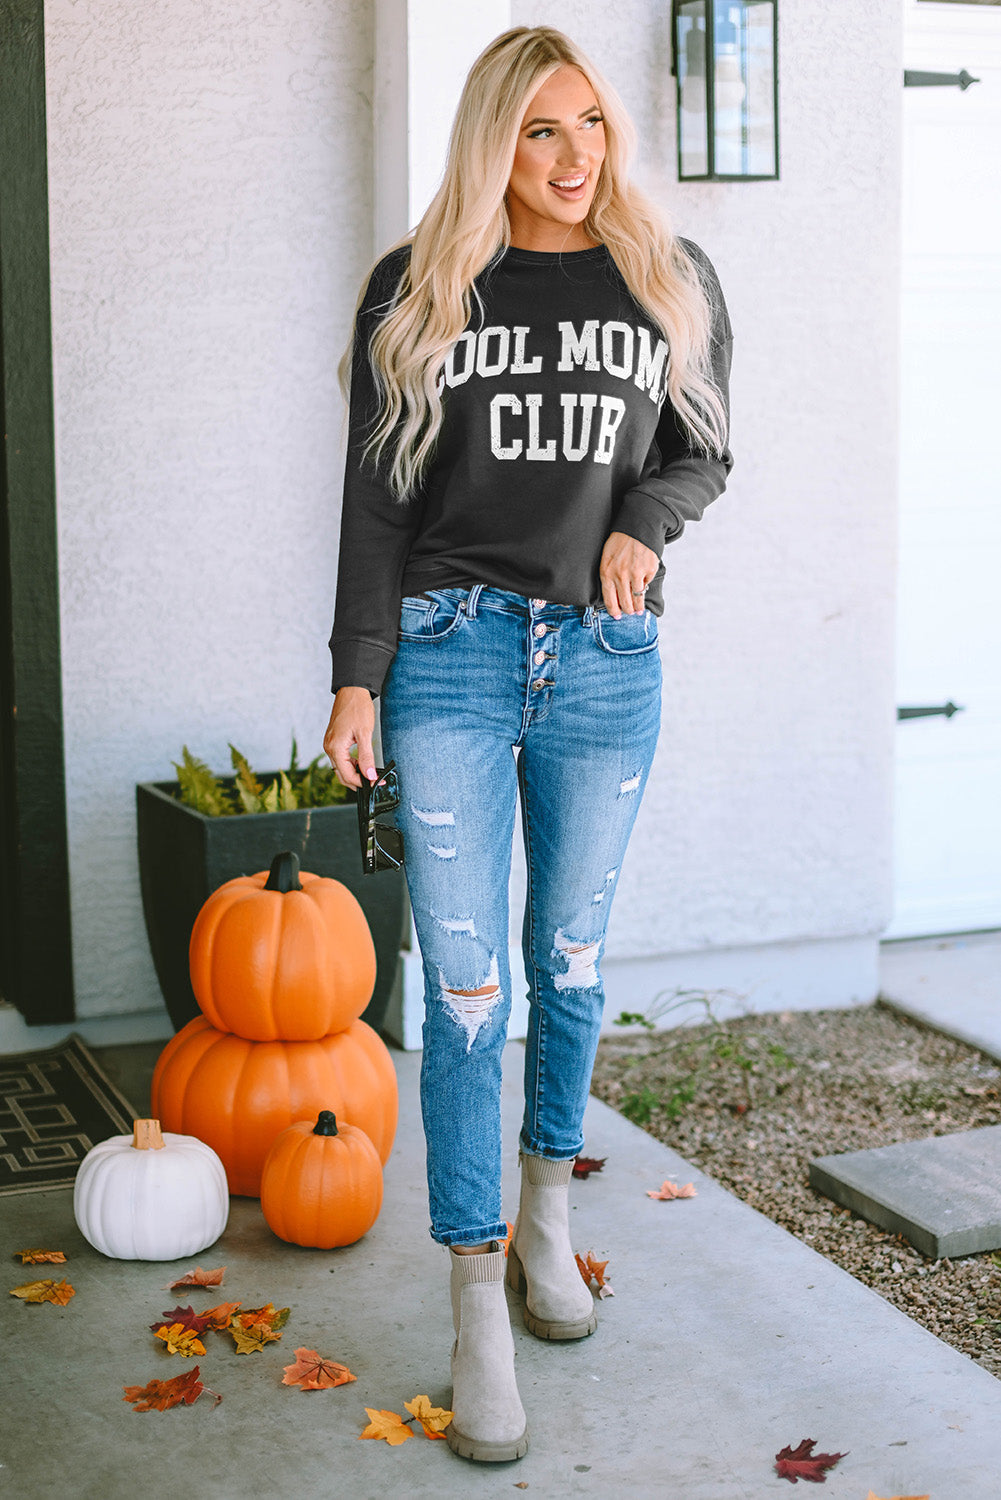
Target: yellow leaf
x=434, y=1419
x=180, y=1340
x=873, y=1496
x=41, y=1257
x=386, y=1424
x=58, y=1292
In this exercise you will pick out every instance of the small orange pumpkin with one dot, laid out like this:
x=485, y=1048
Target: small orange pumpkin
x=322, y=1184
x=237, y=1096
x=282, y=955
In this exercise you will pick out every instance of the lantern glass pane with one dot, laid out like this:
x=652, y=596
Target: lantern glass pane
x=744, y=88
x=693, y=104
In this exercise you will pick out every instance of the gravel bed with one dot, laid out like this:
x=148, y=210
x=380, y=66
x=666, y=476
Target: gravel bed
x=752, y=1101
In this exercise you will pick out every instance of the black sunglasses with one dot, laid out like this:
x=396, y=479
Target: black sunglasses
x=381, y=843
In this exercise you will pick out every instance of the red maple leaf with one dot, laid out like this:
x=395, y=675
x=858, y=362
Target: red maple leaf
x=802, y=1463
x=187, y=1317
x=584, y=1165
x=160, y=1395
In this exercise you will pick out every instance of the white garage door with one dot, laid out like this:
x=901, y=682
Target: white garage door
x=948, y=779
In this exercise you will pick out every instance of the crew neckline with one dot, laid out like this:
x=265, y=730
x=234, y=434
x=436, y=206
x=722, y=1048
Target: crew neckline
x=554, y=257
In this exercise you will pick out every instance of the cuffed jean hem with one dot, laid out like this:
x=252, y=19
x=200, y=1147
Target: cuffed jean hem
x=551, y=1153
x=471, y=1236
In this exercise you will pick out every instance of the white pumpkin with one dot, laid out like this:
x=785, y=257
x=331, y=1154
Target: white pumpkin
x=151, y=1195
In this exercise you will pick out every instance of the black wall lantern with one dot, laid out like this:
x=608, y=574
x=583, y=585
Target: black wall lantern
x=726, y=64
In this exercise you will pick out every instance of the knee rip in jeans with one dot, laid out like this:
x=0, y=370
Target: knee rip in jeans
x=472, y=1008
x=630, y=784
x=601, y=893
x=581, y=961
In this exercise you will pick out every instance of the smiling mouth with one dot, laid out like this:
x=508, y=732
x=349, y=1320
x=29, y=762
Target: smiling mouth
x=571, y=184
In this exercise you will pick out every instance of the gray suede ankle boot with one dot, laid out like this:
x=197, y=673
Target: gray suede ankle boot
x=540, y=1261
x=488, y=1422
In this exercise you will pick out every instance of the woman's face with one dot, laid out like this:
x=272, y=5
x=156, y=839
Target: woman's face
x=561, y=146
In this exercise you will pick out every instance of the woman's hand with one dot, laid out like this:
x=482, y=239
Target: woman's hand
x=626, y=567
x=352, y=721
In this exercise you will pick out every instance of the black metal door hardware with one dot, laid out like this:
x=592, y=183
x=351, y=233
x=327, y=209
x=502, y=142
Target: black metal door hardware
x=913, y=80
x=946, y=709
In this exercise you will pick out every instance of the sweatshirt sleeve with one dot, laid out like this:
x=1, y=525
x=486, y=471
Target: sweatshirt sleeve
x=376, y=528
x=681, y=480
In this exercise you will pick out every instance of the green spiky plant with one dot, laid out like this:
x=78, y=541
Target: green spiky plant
x=314, y=785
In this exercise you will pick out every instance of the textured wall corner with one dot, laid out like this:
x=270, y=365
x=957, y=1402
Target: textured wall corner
x=211, y=210
x=768, y=815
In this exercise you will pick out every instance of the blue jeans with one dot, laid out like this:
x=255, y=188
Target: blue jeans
x=477, y=672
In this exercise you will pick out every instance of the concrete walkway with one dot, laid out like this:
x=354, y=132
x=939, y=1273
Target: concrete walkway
x=951, y=983
x=726, y=1340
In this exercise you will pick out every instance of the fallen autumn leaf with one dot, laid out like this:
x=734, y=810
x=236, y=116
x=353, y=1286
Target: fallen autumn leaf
x=802, y=1463
x=313, y=1373
x=48, y=1290
x=160, y=1395
x=434, y=1419
x=584, y=1165
x=41, y=1257
x=198, y=1277
x=386, y=1424
x=669, y=1190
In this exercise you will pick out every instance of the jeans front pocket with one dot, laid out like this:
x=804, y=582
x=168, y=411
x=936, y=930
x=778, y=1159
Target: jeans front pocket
x=434, y=617
x=630, y=635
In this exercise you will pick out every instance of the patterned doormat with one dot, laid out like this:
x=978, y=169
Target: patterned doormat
x=54, y=1105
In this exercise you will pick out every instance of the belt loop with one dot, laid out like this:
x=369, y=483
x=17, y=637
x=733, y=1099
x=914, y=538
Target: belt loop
x=473, y=599
x=589, y=615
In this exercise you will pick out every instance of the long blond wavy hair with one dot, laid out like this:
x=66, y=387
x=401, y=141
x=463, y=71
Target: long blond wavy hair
x=466, y=226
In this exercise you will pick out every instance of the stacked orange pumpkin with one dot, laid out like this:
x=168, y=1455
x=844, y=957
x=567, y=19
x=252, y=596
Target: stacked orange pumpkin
x=282, y=966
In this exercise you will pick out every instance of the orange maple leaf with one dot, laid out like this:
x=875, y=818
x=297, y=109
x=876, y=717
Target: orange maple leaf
x=58, y=1292
x=198, y=1277
x=873, y=1496
x=313, y=1373
x=386, y=1424
x=180, y=1340
x=434, y=1419
x=591, y=1268
x=218, y=1317
x=159, y=1395
x=268, y=1316
x=669, y=1190
x=41, y=1257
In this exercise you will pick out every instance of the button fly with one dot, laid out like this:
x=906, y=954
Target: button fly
x=539, y=603
x=538, y=685
x=539, y=658
x=538, y=631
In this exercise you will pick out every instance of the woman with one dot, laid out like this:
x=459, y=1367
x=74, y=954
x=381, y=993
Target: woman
x=521, y=446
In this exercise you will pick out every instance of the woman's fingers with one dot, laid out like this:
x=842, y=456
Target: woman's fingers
x=352, y=722
x=626, y=568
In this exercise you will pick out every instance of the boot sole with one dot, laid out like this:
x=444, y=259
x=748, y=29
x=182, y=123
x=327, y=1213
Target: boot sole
x=544, y=1328
x=483, y=1452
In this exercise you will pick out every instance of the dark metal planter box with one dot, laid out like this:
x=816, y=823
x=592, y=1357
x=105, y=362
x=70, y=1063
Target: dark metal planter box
x=184, y=856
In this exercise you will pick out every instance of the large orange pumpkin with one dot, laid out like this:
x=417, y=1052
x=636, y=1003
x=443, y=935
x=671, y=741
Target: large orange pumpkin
x=322, y=1183
x=282, y=955
x=237, y=1096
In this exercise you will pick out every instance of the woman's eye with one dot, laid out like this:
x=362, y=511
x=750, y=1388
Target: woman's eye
x=594, y=120
x=537, y=135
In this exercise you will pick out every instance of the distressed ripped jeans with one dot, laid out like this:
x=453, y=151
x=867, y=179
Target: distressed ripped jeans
x=477, y=672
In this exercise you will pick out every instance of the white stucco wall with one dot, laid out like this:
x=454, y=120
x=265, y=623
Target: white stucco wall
x=768, y=816
x=211, y=210
x=211, y=206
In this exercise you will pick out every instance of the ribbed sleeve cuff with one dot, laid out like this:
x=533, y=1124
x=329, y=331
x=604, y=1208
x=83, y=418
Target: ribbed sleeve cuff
x=645, y=519
x=359, y=664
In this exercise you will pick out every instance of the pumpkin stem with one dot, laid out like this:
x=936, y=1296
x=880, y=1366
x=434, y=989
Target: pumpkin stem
x=284, y=875
x=325, y=1124
x=147, y=1135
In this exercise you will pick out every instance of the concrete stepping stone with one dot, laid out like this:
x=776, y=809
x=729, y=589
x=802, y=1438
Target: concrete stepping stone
x=943, y=1193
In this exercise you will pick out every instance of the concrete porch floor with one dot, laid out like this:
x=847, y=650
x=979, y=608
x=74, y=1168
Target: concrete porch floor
x=726, y=1340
